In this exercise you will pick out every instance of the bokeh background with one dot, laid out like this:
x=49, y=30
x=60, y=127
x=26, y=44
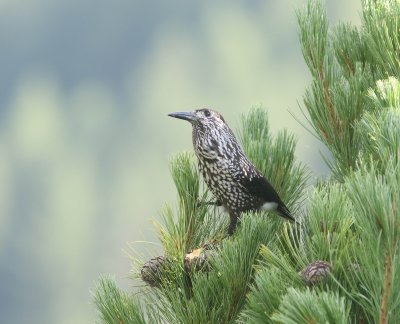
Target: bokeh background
x=85, y=88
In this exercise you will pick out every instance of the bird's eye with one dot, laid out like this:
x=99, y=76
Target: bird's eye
x=207, y=113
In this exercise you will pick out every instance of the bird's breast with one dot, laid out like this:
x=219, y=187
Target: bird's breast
x=223, y=181
x=215, y=172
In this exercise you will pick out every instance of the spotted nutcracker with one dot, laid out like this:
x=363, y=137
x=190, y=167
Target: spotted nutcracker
x=235, y=182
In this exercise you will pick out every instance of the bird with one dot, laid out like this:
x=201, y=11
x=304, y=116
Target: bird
x=232, y=178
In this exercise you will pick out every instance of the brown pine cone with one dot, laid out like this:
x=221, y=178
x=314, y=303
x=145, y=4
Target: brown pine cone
x=316, y=272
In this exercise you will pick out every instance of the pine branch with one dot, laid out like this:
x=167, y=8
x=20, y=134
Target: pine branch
x=376, y=198
x=336, y=98
x=114, y=306
x=312, y=307
x=382, y=33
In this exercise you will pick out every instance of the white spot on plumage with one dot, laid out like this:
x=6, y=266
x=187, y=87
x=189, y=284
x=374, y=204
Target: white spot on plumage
x=269, y=206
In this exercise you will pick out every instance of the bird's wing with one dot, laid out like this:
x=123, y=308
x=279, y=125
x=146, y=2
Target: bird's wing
x=260, y=187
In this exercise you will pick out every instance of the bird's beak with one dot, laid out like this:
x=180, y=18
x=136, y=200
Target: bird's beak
x=189, y=116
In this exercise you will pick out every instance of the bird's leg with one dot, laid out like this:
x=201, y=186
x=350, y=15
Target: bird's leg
x=234, y=216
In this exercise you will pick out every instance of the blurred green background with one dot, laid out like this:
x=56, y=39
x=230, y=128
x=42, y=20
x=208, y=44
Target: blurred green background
x=85, y=88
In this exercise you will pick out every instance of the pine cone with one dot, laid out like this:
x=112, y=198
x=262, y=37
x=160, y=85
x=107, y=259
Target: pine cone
x=157, y=268
x=152, y=270
x=197, y=259
x=316, y=272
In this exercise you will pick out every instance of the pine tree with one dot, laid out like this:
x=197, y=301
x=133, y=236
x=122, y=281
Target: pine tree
x=342, y=262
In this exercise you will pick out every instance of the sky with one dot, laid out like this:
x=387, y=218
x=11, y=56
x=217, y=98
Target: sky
x=85, y=141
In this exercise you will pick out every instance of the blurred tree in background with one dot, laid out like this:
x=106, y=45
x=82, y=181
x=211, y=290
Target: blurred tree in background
x=341, y=263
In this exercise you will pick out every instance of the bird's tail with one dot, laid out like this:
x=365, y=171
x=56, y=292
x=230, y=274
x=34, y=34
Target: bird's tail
x=284, y=212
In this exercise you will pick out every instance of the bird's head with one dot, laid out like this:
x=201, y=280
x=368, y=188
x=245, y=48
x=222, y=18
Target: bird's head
x=210, y=135
x=201, y=117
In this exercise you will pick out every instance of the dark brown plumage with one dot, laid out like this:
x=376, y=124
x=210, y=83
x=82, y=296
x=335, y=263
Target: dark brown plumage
x=235, y=182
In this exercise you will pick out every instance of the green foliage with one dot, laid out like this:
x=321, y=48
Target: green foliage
x=379, y=131
x=274, y=275
x=387, y=93
x=344, y=68
x=307, y=306
x=314, y=36
x=115, y=306
x=328, y=235
x=348, y=239
x=382, y=34
x=376, y=258
x=192, y=224
x=218, y=295
x=357, y=116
